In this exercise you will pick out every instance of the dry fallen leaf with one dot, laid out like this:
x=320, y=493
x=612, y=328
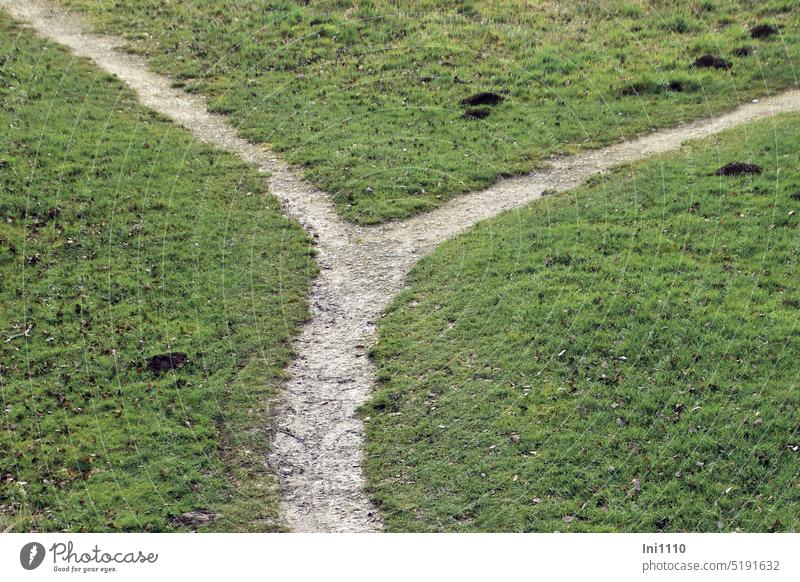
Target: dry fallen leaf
x=637, y=487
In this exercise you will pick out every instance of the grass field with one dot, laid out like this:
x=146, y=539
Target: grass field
x=623, y=357
x=366, y=95
x=121, y=239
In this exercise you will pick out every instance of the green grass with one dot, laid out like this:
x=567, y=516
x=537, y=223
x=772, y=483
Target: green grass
x=122, y=238
x=366, y=95
x=640, y=329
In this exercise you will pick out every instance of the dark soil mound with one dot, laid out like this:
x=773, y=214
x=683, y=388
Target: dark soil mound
x=482, y=99
x=646, y=88
x=480, y=113
x=164, y=362
x=711, y=62
x=636, y=89
x=743, y=51
x=737, y=168
x=194, y=519
x=763, y=31
x=796, y=195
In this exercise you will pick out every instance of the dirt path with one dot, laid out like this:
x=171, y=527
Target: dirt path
x=317, y=439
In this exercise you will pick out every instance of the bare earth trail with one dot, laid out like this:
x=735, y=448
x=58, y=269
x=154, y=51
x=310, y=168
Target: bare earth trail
x=317, y=438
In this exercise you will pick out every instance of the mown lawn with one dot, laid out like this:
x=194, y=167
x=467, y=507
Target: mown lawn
x=623, y=357
x=366, y=95
x=120, y=239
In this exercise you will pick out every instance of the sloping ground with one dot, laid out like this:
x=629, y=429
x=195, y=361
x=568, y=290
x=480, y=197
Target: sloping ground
x=316, y=445
x=122, y=238
x=623, y=357
x=366, y=96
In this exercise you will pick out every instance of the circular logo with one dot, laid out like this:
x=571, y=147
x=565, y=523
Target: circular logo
x=31, y=555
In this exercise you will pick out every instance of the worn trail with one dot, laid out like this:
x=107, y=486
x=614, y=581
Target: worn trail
x=317, y=438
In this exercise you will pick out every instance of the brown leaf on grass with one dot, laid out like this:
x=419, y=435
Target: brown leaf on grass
x=636, y=488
